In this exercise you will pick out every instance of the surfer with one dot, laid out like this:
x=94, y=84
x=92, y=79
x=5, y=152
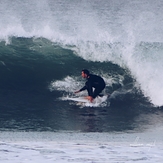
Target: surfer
x=93, y=81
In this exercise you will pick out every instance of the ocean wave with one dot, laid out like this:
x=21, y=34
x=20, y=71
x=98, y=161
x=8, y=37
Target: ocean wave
x=126, y=34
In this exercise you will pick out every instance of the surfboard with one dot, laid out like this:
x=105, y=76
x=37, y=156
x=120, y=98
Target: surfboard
x=78, y=99
x=84, y=102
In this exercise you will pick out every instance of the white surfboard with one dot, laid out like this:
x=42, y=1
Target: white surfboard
x=78, y=99
x=84, y=102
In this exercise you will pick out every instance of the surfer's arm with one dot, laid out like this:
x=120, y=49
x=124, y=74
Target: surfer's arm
x=76, y=91
x=82, y=89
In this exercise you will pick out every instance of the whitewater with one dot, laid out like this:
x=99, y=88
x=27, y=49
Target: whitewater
x=44, y=45
x=78, y=147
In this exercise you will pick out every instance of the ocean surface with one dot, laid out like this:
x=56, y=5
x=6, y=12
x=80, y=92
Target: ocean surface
x=45, y=44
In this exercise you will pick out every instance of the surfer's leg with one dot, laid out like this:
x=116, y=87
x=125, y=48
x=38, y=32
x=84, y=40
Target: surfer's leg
x=97, y=91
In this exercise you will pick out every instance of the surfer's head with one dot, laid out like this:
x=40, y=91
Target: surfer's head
x=85, y=73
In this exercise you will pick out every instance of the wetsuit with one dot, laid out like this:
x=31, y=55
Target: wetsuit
x=94, y=81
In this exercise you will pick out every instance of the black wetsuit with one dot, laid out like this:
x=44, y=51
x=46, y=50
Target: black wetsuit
x=94, y=81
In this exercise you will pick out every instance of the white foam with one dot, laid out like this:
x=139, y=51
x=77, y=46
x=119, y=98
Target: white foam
x=71, y=22
x=145, y=64
x=68, y=84
x=31, y=147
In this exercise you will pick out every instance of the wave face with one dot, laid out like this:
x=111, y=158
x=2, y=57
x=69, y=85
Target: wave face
x=51, y=41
